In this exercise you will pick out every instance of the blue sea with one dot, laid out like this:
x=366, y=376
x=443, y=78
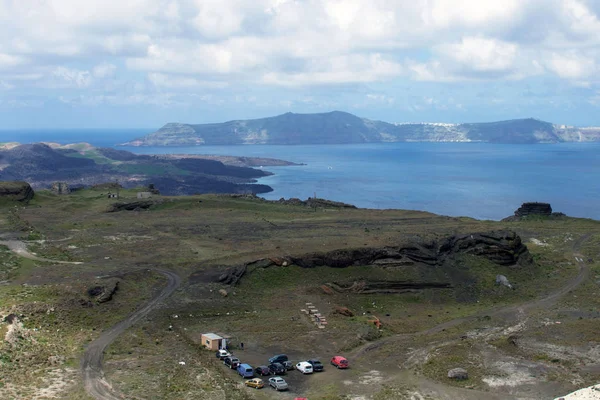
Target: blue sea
x=479, y=180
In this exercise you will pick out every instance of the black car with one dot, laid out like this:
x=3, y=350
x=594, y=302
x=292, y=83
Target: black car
x=231, y=362
x=288, y=365
x=263, y=370
x=316, y=364
x=279, y=358
x=277, y=369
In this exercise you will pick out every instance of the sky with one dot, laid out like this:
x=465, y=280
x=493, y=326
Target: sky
x=143, y=63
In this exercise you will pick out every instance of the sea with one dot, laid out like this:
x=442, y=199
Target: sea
x=478, y=180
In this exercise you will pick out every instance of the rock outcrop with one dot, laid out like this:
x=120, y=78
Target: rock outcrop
x=500, y=247
x=132, y=206
x=434, y=259
x=16, y=191
x=105, y=293
x=61, y=188
x=534, y=208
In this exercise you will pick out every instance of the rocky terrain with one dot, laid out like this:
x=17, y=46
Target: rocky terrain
x=107, y=305
x=43, y=165
x=343, y=128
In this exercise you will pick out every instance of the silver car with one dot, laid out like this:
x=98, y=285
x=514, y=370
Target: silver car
x=278, y=383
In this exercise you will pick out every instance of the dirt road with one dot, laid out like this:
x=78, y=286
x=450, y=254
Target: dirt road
x=20, y=248
x=91, y=363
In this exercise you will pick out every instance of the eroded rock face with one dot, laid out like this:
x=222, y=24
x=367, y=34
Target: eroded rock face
x=16, y=191
x=534, y=208
x=500, y=247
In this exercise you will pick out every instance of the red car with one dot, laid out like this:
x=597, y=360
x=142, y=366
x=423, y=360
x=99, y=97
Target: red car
x=339, y=362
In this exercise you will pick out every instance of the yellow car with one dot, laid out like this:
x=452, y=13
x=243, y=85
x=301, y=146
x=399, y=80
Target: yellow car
x=256, y=383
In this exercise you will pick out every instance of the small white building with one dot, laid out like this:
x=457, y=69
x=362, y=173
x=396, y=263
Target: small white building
x=211, y=341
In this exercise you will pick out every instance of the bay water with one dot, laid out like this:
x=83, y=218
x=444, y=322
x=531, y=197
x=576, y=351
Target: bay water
x=479, y=180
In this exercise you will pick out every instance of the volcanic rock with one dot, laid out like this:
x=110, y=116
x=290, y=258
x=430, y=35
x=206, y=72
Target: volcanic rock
x=16, y=191
x=132, y=206
x=104, y=293
x=531, y=209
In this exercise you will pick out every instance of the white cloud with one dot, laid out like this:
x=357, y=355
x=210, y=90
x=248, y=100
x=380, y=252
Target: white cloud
x=185, y=45
x=178, y=82
x=481, y=54
x=72, y=77
x=342, y=69
x=104, y=70
x=572, y=65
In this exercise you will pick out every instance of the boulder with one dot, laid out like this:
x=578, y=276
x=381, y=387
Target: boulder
x=105, y=293
x=458, y=374
x=503, y=280
x=16, y=191
x=223, y=292
x=344, y=311
x=232, y=275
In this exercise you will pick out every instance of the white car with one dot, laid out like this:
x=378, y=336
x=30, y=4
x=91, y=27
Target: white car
x=304, y=367
x=222, y=354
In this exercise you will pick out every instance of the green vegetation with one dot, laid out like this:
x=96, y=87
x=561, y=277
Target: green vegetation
x=200, y=236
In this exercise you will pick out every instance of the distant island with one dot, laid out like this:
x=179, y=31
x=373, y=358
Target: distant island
x=83, y=165
x=339, y=127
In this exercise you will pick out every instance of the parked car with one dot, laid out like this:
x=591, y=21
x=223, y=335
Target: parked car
x=278, y=383
x=316, y=364
x=245, y=371
x=263, y=370
x=277, y=369
x=288, y=365
x=232, y=362
x=339, y=362
x=279, y=358
x=304, y=367
x=256, y=383
x=221, y=354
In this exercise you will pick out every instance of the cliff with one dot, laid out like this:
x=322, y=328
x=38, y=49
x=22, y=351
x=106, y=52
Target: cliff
x=343, y=128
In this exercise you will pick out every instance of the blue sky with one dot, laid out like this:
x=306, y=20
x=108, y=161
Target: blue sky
x=143, y=63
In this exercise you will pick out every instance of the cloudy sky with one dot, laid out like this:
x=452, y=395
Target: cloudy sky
x=142, y=63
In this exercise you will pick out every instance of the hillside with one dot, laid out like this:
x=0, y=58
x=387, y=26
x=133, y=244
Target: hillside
x=82, y=164
x=343, y=128
x=118, y=301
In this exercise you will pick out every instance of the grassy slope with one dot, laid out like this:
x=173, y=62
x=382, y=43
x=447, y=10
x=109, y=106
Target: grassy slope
x=193, y=234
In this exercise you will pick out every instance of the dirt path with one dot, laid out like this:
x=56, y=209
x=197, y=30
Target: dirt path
x=91, y=362
x=20, y=248
x=512, y=309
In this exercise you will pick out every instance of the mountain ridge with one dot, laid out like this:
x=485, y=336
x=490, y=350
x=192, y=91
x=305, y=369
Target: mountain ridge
x=339, y=127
